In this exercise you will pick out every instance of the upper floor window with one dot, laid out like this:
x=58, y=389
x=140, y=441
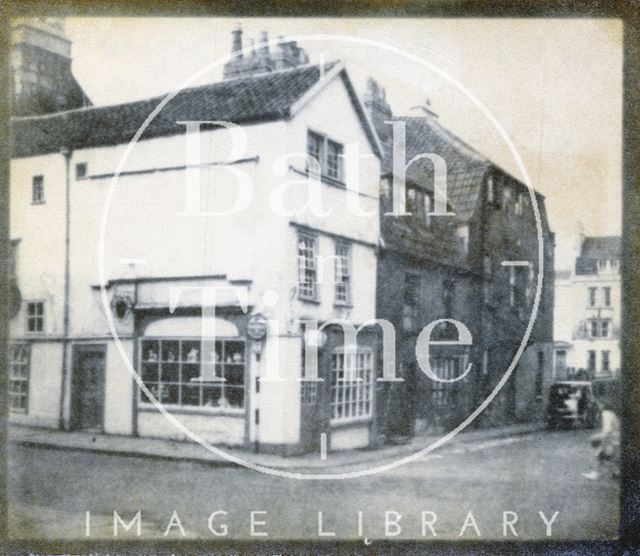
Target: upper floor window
x=506, y=198
x=343, y=273
x=606, y=363
x=519, y=204
x=591, y=361
x=327, y=153
x=35, y=316
x=490, y=193
x=600, y=328
x=81, y=170
x=607, y=296
x=512, y=285
x=37, y=189
x=410, y=299
x=307, y=268
x=592, y=297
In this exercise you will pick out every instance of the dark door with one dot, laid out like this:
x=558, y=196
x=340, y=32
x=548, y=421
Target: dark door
x=87, y=402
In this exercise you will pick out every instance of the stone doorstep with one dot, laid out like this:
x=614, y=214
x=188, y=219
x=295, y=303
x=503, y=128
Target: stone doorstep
x=186, y=451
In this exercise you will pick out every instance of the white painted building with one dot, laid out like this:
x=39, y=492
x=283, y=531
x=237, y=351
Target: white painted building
x=68, y=371
x=587, y=311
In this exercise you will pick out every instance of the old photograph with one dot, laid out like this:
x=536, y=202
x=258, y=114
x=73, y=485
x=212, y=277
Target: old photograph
x=314, y=279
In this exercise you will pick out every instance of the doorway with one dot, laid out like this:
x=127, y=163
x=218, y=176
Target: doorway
x=87, y=387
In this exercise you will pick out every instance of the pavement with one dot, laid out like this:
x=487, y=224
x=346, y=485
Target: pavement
x=166, y=449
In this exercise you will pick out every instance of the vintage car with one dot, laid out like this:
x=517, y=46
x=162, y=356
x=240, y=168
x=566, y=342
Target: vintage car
x=571, y=403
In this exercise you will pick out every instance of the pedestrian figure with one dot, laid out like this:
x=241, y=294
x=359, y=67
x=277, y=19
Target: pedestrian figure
x=607, y=444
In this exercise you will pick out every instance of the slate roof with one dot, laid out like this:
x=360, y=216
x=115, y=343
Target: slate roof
x=251, y=99
x=595, y=248
x=465, y=166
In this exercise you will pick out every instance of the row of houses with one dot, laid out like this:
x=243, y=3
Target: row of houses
x=272, y=270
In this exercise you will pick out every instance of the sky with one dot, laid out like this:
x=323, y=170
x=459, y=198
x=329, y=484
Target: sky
x=553, y=85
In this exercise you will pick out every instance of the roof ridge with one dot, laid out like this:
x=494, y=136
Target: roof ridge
x=158, y=98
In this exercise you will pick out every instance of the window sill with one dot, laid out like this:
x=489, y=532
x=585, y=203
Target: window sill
x=343, y=305
x=38, y=202
x=311, y=300
x=148, y=408
x=354, y=422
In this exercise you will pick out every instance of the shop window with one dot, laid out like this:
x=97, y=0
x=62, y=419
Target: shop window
x=173, y=371
x=19, y=357
x=351, y=385
x=35, y=317
x=307, y=268
x=343, y=273
x=37, y=190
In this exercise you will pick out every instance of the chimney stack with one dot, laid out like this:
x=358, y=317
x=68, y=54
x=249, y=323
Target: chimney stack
x=236, y=45
x=375, y=101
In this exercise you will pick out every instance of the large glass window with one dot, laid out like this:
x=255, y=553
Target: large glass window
x=19, y=377
x=172, y=370
x=351, y=384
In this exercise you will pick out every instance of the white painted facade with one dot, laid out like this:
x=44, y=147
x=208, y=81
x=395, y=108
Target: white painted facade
x=254, y=250
x=574, y=311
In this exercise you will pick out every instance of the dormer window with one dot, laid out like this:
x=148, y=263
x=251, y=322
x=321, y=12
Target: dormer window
x=37, y=190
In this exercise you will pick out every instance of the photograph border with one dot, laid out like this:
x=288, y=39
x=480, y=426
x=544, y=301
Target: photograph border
x=628, y=12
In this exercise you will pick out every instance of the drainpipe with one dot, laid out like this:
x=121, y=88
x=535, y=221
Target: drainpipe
x=66, y=153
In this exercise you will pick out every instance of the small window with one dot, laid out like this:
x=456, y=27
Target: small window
x=343, y=274
x=35, y=317
x=81, y=170
x=428, y=207
x=37, y=190
x=307, y=270
x=512, y=285
x=506, y=198
x=607, y=296
x=327, y=153
x=592, y=297
x=606, y=364
x=540, y=375
x=604, y=328
x=490, y=195
x=519, y=204
x=591, y=361
x=315, y=148
x=334, y=160
x=19, y=356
